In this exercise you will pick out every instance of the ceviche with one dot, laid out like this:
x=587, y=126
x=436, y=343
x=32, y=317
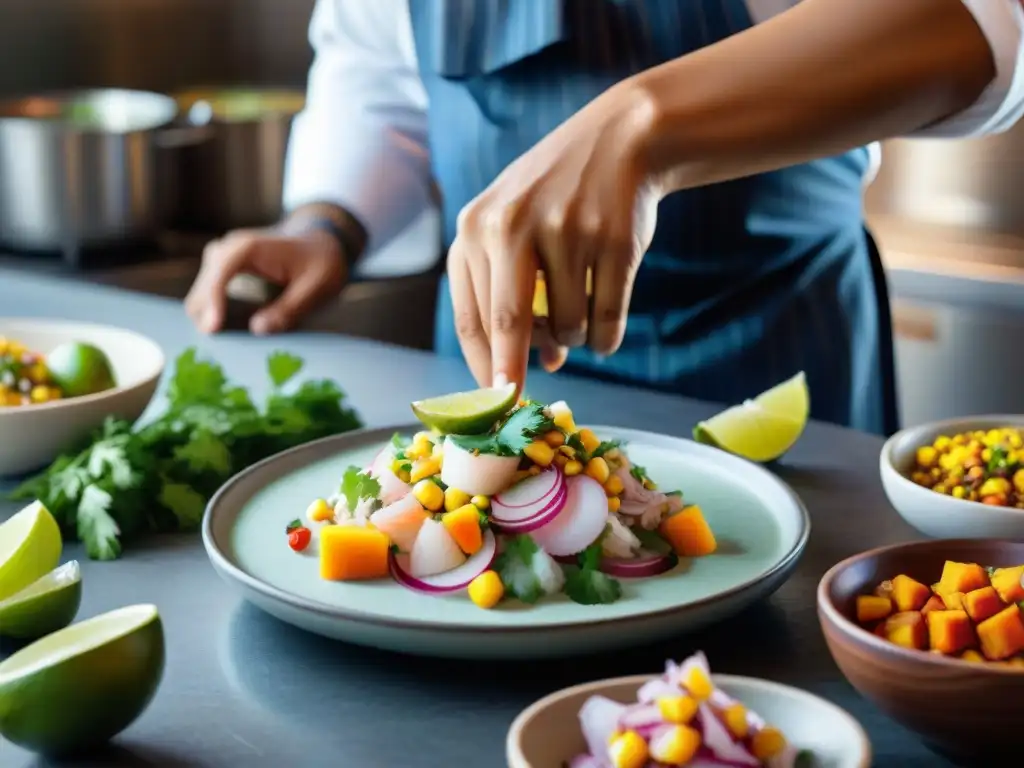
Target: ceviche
x=681, y=718
x=528, y=507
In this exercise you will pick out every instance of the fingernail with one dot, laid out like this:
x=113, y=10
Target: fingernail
x=208, y=323
x=574, y=338
x=261, y=325
x=500, y=380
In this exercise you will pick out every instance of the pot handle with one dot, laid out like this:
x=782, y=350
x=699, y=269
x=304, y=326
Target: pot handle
x=199, y=128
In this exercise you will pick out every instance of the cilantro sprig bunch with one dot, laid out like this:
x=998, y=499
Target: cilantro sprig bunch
x=125, y=482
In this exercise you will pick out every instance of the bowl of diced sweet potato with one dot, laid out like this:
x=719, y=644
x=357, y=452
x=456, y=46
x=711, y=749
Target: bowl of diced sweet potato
x=933, y=633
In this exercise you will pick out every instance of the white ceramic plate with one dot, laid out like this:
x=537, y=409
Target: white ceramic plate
x=935, y=514
x=547, y=734
x=760, y=523
x=44, y=431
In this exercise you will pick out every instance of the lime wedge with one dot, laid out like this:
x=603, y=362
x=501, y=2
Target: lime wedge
x=30, y=547
x=76, y=689
x=44, y=606
x=80, y=369
x=761, y=429
x=466, y=413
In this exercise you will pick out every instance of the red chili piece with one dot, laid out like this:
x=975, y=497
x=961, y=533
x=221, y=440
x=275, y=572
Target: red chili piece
x=299, y=538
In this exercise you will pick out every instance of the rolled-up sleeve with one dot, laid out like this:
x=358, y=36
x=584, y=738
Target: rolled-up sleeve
x=1002, y=103
x=361, y=141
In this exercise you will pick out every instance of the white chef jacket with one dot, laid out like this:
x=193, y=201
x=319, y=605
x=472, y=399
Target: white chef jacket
x=361, y=142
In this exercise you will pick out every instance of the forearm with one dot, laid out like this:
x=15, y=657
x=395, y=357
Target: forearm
x=820, y=79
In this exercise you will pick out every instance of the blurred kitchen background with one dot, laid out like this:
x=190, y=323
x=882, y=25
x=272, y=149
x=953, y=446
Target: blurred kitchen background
x=948, y=215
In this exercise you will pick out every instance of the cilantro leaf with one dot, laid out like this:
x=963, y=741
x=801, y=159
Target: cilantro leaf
x=357, y=484
x=282, y=368
x=195, y=381
x=586, y=584
x=518, y=431
x=604, y=447
x=96, y=528
x=185, y=503
x=515, y=568
x=205, y=452
x=397, y=441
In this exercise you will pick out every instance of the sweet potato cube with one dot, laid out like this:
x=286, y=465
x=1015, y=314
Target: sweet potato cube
x=872, y=608
x=949, y=632
x=982, y=603
x=906, y=628
x=954, y=600
x=908, y=594
x=934, y=604
x=962, y=577
x=1006, y=581
x=1002, y=636
x=972, y=656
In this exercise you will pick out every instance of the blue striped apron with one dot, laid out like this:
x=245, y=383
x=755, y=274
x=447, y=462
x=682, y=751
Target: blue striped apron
x=746, y=282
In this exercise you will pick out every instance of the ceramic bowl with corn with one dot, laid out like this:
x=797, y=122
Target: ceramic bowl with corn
x=59, y=381
x=962, y=478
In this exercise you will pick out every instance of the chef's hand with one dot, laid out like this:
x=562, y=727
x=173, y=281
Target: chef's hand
x=310, y=267
x=579, y=200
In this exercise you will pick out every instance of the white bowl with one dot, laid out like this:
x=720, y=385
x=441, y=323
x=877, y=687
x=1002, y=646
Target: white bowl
x=32, y=436
x=934, y=514
x=547, y=734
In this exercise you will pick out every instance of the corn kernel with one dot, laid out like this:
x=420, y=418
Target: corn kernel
x=554, y=438
x=319, y=511
x=562, y=417
x=927, y=456
x=767, y=743
x=540, y=453
x=40, y=394
x=419, y=450
x=675, y=746
x=486, y=590
x=429, y=494
x=598, y=469
x=942, y=442
x=561, y=460
x=679, y=710
x=735, y=717
x=959, y=492
x=614, y=502
x=454, y=498
x=397, y=465
x=589, y=439
x=423, y=437
x=972, y=656
x=613, y=486
x=572, y=468
x=994, y=485
x=423, y=468
x=480, y=502
x=628, y=750
x=698, y=684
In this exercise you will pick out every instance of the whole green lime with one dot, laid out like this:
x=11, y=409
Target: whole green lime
x=80, y=369
x=76, y=689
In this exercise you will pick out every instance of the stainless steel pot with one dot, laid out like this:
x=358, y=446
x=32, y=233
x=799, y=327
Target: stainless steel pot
x=235, y=178
x=82, y=169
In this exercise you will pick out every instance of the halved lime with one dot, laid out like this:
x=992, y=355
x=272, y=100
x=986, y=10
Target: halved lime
x=764, y=428
x=44, y=606
x=466, y=413
x=30, y=546
x=81, y=686
x=80, y=369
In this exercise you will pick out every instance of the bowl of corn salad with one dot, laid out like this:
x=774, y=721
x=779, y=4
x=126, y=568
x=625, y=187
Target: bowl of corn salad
x=962, y=478
x=46, y=418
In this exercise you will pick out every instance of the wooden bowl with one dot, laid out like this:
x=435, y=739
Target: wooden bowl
x=964, y=709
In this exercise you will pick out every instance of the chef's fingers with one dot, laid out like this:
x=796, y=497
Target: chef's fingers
x=206, y=302
x=565, y=277
x=469, y=325
x=513, y=277
x=304, y=289
x=614, y=272
x=552, y=354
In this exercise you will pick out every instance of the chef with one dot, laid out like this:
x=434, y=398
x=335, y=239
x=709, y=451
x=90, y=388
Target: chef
x=687, y=175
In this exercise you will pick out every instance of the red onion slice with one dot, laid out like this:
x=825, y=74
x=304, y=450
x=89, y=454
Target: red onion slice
x=644, y=565
x=541, y=518
x=454, y=580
